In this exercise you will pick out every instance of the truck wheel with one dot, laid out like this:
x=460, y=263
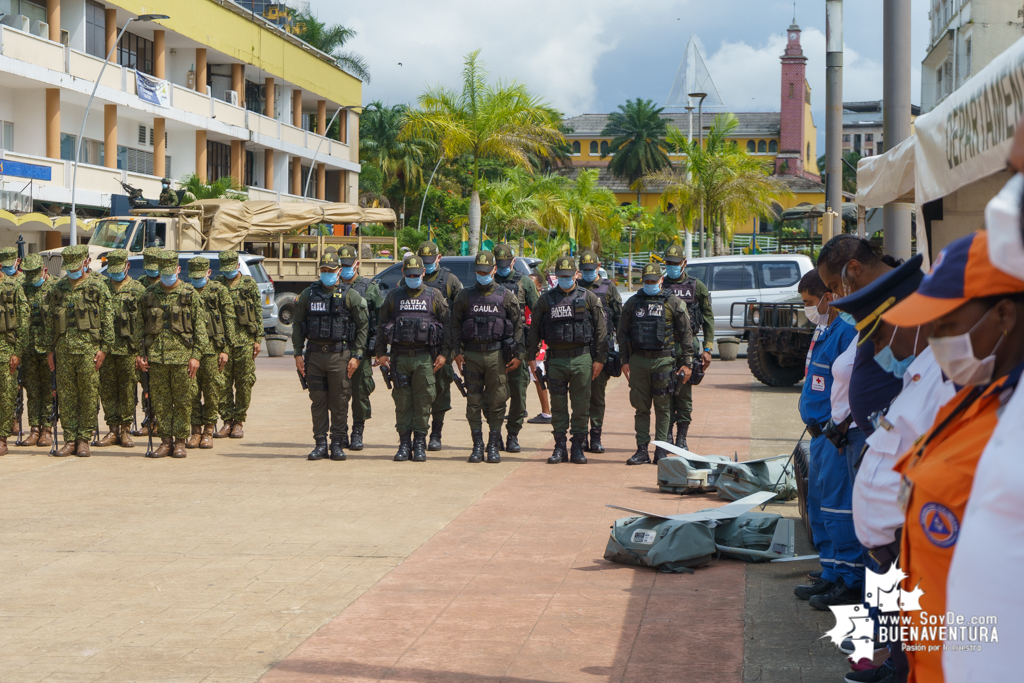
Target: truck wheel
x=765, y=367
x=285, y=312
x=801, y=468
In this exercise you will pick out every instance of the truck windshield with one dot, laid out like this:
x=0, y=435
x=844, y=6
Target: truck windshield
x=111, y=234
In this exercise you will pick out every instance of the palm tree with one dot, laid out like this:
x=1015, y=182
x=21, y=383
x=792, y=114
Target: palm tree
x=223, y=187
x=380, y=144
x=501, y=121
x=638, y=147
x=590, y=209
x=330, y=40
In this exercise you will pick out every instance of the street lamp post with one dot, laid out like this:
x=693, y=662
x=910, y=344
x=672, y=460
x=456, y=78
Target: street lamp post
x=85, y=118
x=700, y=137
x=689, y=138
x=312, y=164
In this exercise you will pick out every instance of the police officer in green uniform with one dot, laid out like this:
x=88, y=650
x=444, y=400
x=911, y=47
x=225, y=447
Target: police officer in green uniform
x=14, y=322
x=570, y=320
x=151, y=264
x=80, y=326
x=695, y=295
x=329, y=334
x=654, y=323
x=240, y=372
x=488, y=345
x=440, y=278
x=168, y=197
x=220, y=329
x=36, y=374
x=362, y=382
x=519, y=379
x=117, y=374
x=174, y=323
x=413, y=321
x=9, y=263
x=611, y=301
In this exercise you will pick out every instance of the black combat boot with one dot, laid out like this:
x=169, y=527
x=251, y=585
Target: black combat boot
x=576, y=456
x=419, y=447
x=640, y=457
x=818, y=586
x=584, y=443
x=478, y=447
x=559, y=454
x=595, y=441
x=319, y=450
x=681, y=429
x=404, y=447
x=356, y=442
x=337, y=448
x=660, y=453
x=342, y=438
x=840, y=594
x=511, y=443
x=493, y=446
x=435, y=435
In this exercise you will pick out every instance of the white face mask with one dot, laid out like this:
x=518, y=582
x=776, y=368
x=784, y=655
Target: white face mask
x=955, y=355
x=1002, y=222
x=815, y=316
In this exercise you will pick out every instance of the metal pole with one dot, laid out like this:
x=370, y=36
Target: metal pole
x=896, y=218
x=312, y=164
x=833, y=115
x=689, y=138
x=700, y=137
x=419, y=223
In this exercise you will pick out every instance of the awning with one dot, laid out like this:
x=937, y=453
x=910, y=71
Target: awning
x=888, y=177
x=805, y=211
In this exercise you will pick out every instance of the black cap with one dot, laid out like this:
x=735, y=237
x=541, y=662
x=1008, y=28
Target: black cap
x=565, y=266
x=428, y=251
x=674, y=254
x=413, y=266
x=483, y=262
x=651, y=272
x=589, y=260
x=868, y=304
x=503, y=255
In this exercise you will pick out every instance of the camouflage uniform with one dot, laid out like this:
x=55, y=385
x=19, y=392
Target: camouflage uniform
x=35, y=371
x=14, y=321
x=445, y=282
x=118, y=378
x=174, y=322
x=151, y=262
x=220, y=328
x=79, y=324
x=9, y=265
x=362, y=382
x=240, y=372
x=168, y=197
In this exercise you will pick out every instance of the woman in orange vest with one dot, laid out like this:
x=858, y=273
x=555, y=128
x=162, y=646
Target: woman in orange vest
x=978, y=341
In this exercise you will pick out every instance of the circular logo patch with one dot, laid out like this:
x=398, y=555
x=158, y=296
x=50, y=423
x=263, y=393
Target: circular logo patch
x=939, y=524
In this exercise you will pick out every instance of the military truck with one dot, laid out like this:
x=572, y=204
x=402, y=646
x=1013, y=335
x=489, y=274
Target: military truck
x=778, y=337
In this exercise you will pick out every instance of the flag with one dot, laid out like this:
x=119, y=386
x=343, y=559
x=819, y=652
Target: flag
x=752, y=247
x=486, y=243
x=431, y=233
x=465, y=243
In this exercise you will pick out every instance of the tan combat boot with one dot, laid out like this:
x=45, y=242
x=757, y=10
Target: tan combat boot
x=112, y=437
x=193, y=440
x=83, y=449
x=32, y=439
x=67, y=449
x=236, y=430
x=206, y=440
x=164, y=449
x=3, y=445
x=225, y=431
x=45, y=437
x=179, y=449
x=126, y=437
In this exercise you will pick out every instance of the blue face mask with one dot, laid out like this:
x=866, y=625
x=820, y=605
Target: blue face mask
x=652, y=288
x=888, y=361
x=9, y=270
x=229, y=274
x=39, y=282
x=329, y=279
x=348, y=272
x=76, y=274
x=413, y=282
x=567, y=282
x=198, y=282
x=484, y=279
x=674, y=272
x=116, y=277
x=589, y=275
x=430, y=267
x=169, y=280
x=153, y=273
x=847, y=318
x=504, y=272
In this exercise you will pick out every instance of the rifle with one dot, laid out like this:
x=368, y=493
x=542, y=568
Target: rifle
x=542, y=379
x=147, y=407
x=54, y=410
x=96, y=431
x=459, y=383
x=135, y=418
x=19, y=406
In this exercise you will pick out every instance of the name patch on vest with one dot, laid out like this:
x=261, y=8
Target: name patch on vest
x=413, y=305
x=484, y=309
x=653, y=310
x=318, y=306
x=562, y=311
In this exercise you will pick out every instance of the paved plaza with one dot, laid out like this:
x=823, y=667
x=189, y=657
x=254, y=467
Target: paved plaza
x=248, y=562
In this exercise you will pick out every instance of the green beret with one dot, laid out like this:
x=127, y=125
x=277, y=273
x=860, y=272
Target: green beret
x=8, y=256
x=74, y=256
x=198, y=265
x=32, y=263
x=151, y=257
x=117, y=261
x=228, y=259
x=168, y=262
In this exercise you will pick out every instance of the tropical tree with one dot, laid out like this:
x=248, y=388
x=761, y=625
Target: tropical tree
x=330, y=40
x=500, y=121
x=638, y=144
x=221, y=188
x=590, y=209
x=399, y=160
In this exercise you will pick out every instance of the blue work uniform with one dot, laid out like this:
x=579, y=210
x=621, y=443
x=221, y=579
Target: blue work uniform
x=827, y=469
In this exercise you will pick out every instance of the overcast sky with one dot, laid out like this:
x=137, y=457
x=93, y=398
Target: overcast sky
x=589, y=56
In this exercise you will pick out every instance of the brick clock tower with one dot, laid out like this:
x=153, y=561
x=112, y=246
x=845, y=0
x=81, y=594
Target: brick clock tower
x=793, y=150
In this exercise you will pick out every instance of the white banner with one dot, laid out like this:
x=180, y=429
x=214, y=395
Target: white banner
x=153, y=90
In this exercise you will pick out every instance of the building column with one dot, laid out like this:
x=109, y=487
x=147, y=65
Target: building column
x=343, y=186
x=159, y=55
x=297, y=176
x=321, y=181
x=201, y=70
x=53, y=20
x=110, y=135
x=237, y=162
x=201, y=155
x=297, y=108
x=268, y=169
x=53, y=123
x=111, y=29
x=343, y=127
x=269, y=101
x=159, y=147
x=321, y=117
x=238, y=83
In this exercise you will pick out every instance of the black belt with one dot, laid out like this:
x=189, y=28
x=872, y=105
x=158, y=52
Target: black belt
x=494, y=346
x=326, y=348
x=421, y=351
x=814, y=431
x=568, y=353
x=649, y=353
x=887, y=554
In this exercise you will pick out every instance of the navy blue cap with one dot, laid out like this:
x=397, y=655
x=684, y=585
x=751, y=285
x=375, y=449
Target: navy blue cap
x=868, y=304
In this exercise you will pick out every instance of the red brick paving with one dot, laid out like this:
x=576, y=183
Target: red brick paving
x=515, y=589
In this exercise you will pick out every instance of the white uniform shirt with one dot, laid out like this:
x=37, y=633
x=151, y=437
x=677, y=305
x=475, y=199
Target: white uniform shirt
x=842, y=368
x=876, y=513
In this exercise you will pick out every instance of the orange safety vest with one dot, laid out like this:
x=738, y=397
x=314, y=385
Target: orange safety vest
x=938, y=473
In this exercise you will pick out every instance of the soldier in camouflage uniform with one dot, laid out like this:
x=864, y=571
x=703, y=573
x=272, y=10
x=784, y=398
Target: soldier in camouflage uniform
x=443, y=280
x=80, y=327
x=174, y=322
x=220, y=328
x=117, y=374
x=14, y=320
x=9, y=263
x=151, y=262
x=519, y=379
x=611, y=301
x=362, y=382
x=240, y=372
x=35, y=371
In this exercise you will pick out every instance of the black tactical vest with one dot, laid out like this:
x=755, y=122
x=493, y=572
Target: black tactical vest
x=327, y=316
x=602, y=293
x=413, y=321
x=511, y=283
x=440, y=283
x=568, y=321
x=687, y=291
x=648, y=327
x=485, y=320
